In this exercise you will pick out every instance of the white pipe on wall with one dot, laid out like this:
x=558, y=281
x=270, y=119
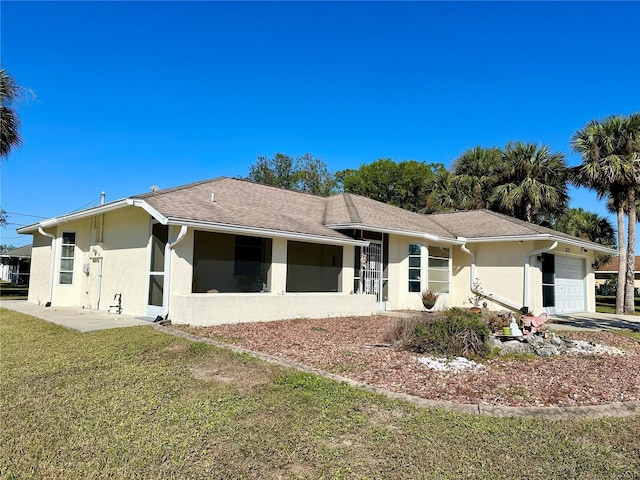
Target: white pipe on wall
x=99, y=283
x=167, y=270
x=51, y=263
x=527, y=261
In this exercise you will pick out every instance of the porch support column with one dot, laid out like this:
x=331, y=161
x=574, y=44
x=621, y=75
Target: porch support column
x=278, y=280
x=348, y=274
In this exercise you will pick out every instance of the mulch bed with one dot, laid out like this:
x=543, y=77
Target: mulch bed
x=344, y=346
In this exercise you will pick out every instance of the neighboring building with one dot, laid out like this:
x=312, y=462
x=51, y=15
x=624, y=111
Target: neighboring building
x=609, y=271
x=227, y=250
x=15, y=265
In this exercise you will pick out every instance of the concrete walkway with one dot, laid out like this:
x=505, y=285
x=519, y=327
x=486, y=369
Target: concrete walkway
x=595, y=321
x=79, y=319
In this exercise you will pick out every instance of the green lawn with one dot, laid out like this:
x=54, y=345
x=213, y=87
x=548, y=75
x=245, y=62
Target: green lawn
x=607, y=304
x=10, y=291
x=137, y=403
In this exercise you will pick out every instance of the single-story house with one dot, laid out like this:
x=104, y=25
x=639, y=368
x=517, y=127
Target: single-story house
x=15, y=265
x=228, y=250
x=609, y=271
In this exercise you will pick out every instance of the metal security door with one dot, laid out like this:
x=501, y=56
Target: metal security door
x=371, y=272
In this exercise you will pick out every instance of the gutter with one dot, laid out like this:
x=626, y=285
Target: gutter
x=527, y=262
x=472, y=286
x=545, y=236
x=167, y=271
x=51, y=264
x=243, y=230
x=72, y=216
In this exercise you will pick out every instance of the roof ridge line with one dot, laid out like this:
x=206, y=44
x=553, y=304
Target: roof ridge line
x=430, y=217
x=352, y=210
x=178, y=188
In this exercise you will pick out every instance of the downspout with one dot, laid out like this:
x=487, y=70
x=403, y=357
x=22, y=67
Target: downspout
x=472, y=287
x=167, y=271
x=51, y=264
x=99, y=283
x=527, y=262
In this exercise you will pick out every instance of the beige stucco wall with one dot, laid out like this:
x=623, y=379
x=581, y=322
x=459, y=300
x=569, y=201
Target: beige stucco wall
x=500, y=270
x=126, y=260
x=122, y=254
x=39, y=277
x=399, y=297
x=218, y=308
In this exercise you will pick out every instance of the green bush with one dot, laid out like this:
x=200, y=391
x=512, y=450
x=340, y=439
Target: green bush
x=453, y=333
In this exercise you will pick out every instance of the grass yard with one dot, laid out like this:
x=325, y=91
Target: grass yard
x=10, y=291
x=607, y=304
x=137, y=403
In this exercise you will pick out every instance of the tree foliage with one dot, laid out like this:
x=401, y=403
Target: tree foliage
x=610, y=151
x=404, y=184
x=10, y=92
x=588, y=226
x=524, y=180
x=306, y=173
x=532, y=182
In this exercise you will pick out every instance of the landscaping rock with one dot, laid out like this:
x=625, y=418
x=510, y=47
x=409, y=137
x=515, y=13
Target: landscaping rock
x=515, y=347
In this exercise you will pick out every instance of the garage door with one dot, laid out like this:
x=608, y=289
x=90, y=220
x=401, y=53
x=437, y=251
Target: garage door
x=570, y=285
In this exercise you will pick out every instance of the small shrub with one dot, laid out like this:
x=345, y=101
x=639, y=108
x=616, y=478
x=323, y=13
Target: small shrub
x=495, y=322
x=453, y=333
x=403, y=330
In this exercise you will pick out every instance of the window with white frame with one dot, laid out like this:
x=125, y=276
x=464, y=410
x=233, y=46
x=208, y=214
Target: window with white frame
x=438, y=269
x=67, y=256
x=415, y=266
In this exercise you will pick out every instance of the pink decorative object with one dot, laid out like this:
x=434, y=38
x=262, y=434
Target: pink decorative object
x=532, y=324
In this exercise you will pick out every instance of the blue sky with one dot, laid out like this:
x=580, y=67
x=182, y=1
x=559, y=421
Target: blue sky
x=135, y=94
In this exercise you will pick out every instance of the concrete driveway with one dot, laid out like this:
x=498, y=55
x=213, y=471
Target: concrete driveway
x=79, y=319
x=595, y=321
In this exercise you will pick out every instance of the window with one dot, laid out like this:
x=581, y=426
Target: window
x=438, y=269
x=67, y=255
x=548, y=280
x=415, y=266
x=312, y=267
x=230, y=263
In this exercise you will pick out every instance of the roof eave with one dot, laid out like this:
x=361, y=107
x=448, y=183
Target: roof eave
x=90, y=212
x=266, y=232
x=544, y=236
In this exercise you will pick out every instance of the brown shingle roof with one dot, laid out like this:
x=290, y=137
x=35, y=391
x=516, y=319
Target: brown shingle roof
x=486, y=223
x=247, y=204
x=243, y=203
x=350, y=208
x=612, y=265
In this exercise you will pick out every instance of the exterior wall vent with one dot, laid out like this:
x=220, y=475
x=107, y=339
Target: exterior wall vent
x=213, y=197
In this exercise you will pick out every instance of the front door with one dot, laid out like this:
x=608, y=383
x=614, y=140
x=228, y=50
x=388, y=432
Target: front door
x=371, y=272
x=157, y=242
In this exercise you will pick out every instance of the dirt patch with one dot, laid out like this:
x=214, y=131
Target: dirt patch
x=245, y=377
x=343, y=345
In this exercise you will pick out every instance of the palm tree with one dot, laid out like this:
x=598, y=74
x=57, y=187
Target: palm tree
x=9, y=122
x=533, y=182
x=482, y=164
x=610, y=152
x=451, y=192
x=589, y=226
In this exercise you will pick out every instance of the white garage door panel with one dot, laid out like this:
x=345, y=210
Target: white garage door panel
x=570, y=285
